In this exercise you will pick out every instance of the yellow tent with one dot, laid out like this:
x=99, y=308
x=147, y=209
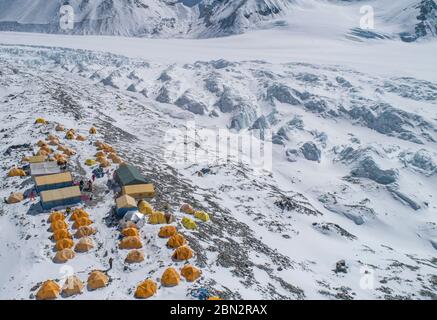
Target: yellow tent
x=157, y=217
x=183, y=253
x=130, y=232
x=144, y=207
x=61, y=234
x=64, y=244
x=48, y=291
x=80, y=222
x=55, y=216
x=84, y=231
x=57, y=225
x=190, y=272
x=93, y=130
x=176, y=241
x=97, y=279
x=79, y=213
x=170, y=278
x=135, y=256
x=189, y=223
x=15, y=172
x=69, y=135
x=130, y=243
x=146, y=289
x=201, y=215
x=84, y=244
x=15, y=197
x=72, y=286
x=167, y=231
x=40, y=121
x=90, y=162
x=64, y=255
x=186, y=208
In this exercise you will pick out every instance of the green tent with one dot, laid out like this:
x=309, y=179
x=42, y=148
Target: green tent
x=127, y=175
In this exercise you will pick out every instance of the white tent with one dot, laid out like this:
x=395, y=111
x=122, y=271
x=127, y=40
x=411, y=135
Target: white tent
x=44, y=168
x=135, y=217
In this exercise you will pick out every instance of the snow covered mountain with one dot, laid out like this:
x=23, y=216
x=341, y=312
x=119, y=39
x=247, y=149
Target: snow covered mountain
x=408, y=19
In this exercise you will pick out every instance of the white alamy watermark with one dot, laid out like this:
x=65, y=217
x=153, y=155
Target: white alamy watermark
x=208, y=147
x=367, y=279
x=367, y=21
x=66, y=17
x=66, y=272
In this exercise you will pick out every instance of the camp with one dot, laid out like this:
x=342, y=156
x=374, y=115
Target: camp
x=127, y=175
x=84, y=244
x=133, y=219
x=134, y=256
x=130, y=243
x=167, y=231
x=93, y=130
x=130, y=232
x=170, y=278
x=53, y=181
x=64, y=244
x=84, y=231
x=60, y=197
x=55, y=216
x=146, y=289
x=15, y=172
x=40, y=121
x=44, y=168
x=36, y=159
x=80, y=222
x=189, y=223
x=97, y=279
x=58, y=225
x=144, y=207
x=176, y=241
x=72, y=286
x=157, y=217
x=90, y=162
x=190, y=273
x=79, y=213
x=201, y=215
x=139, y=191
x=124, y=204
x=15, y=197
x=61, y=234
x=186, y=208
x=64, y=255
x=183, y=253
x=49, y=290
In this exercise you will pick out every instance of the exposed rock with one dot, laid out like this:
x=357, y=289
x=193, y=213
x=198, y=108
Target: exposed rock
x=341, y=267
x=421, y=161
x=404, y=198
x=311, y=152
x=188, y=102
x=367, y=168
x=283, y=94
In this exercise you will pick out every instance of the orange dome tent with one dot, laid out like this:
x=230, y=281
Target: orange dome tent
x=170, y=278
x=97, y=279
x=130, y=232
x=146, y=289
x=55, y=216
x=57, y=225
x=79, y=213
x=15, y=172
x=64, y=255
x=190, y=273
x=61, y=234
x=186, y=208
x=183, y=253
x=15, y=197
x=64, y=244
x=93, y=130
x=84, y=231
x=135, y=256
x=176, y=241
x=167, y=231
x=80, y=222
x=130, y=243
x=49, y=290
